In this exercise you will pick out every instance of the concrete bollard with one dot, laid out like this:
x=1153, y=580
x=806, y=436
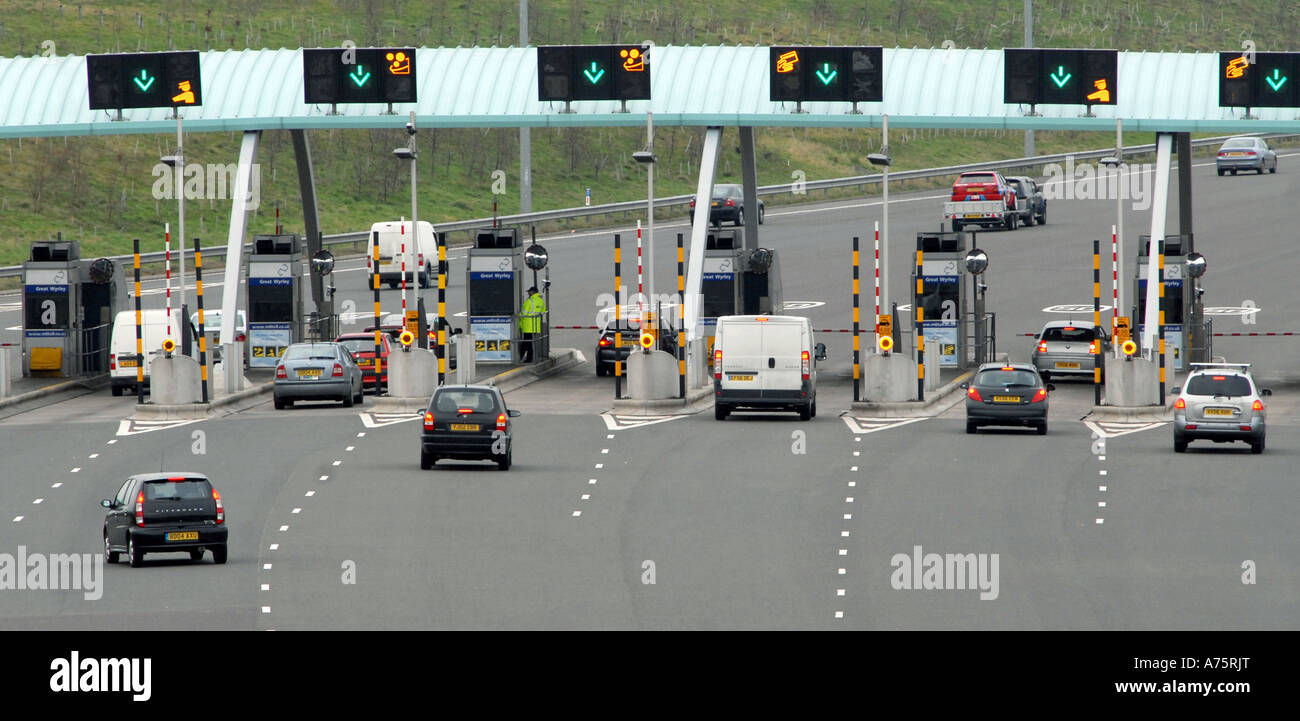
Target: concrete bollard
x=9, y=362
x=174, y=381
x=651, y=376
x=1132, y=383
x=889, y=378
x=412, y=374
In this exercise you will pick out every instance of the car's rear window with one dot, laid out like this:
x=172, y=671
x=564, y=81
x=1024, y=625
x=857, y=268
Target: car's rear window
x=1068, y=334
x=359, y=345
x=190, y=490
x=1209, y=384
x=1006, y=378
x=1239, y=143
x=301, y=352
x=978, y=178
x=450, y=401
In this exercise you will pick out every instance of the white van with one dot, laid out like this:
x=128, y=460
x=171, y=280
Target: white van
x=392, y=235
x=153, y=329
x=766, y=362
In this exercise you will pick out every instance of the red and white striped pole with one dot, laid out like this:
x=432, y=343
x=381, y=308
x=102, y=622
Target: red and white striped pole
x=875, y=322
x=1114, y=272
x=167, y=257
x=640, y=293
x=403, y=251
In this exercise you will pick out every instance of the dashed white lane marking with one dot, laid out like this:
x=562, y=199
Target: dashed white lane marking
x=266, y=609
x=586, y=496
x=610, y=436
x=338, y=463
x=841, y=571
x=17, y=519
x=1101, y=504
x=112, y=441
x=839, y=592
x=350, y=448
x=266, y=566
x=853, y=484
x=361, y=434
x=1101, y=458
x=848, y=499
x=844, y=534
x=604, y=450
x=76, y=470
x=591, y=481
x=296, y=510
x=1103, y=489
x=577, y=513
x=283, y=528
x=844, y=551
x=324, y=478
x=57, y=485
x=273, y=546
x=94, y=455
x=848, y=516
x=600, y=465
x=1102, y=472
x=853, y=468
x=1100, y=521
x=266, y=586
x=309, y=494
x=857, y=453
x=839, y=614
x=37, y=501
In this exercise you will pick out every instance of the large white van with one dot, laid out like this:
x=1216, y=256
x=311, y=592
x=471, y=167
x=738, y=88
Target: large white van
x=153, y=329
x=392, y=235
x=765, y=362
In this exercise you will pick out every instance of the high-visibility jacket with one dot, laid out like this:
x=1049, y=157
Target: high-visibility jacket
x=530, y=316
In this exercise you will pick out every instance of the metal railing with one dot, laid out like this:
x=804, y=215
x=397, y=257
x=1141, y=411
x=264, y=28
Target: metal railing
x=632, y=206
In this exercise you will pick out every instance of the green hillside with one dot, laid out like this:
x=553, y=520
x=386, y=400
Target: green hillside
x=99, y=189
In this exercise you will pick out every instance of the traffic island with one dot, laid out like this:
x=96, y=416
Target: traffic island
x=936, y=401
x=193, y=411
x=557, y=362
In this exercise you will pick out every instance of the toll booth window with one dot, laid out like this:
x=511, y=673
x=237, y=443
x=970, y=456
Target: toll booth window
x=271, y=303
x=492, y=297
x=940, y=301
x=719, y=298
x=1173, y=304
x=46, y=310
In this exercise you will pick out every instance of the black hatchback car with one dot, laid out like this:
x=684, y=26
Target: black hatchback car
x=467, y=423
x=165, y=513
x=1007, y=394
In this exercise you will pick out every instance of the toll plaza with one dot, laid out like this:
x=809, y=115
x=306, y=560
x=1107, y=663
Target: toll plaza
x=1188, y=334
x=275, y=319
x=495, y=289
x=68, y=309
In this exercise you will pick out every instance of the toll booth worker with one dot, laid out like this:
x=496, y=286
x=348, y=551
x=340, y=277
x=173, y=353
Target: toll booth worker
x=530, y=322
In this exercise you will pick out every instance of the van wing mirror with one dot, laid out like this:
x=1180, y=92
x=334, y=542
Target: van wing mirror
x=820, y=348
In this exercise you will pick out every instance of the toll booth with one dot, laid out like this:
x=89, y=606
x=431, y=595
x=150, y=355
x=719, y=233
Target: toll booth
x=735, y=281
x=275, y=297
x=943, y=288
x=68, y=310
x=495, y=285
x=1187, y=333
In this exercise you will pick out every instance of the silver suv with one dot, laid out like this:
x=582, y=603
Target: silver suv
x=1219, y=402
x=1066, y=348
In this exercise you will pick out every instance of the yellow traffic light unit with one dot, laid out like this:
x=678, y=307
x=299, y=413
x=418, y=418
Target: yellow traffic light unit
x=168, y=346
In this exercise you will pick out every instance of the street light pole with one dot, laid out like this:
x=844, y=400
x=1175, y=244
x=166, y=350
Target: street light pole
x=180, y=228
x=650, y=214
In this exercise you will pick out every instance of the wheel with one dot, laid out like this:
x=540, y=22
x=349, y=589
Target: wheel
x=720, y=412
x=1029, y=220
x=112, y=556
x=601, y=370
x=1042, y=218
x=219, y=555
x=117, y=390
x=196, y=555
x=740, y=217
x=956, y=226
x=814, y=408
x=348, y=400
x=763, y=211
x=1180, y=446
x=427, y=460
x=1220, y=172
x=503, y=463
x=970, y=426
x=805, y=413
x=1257, y=447
x=1274, y=168
x=1011, y=222
x=133, y=553
x=1042, y=428
x=1234, y=173
x=1045, y=376
x=360, y=396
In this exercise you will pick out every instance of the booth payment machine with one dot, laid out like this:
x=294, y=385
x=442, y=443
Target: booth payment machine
x=1187, y=333
x=68, y=310
x=275, y=290
x=943, y=288
x=496, y=291
x=735, y=281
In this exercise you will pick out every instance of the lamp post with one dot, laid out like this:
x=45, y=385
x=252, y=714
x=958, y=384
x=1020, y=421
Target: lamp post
x=883, y=160
x=647, y=156
x=413, y=250
x=177, y=164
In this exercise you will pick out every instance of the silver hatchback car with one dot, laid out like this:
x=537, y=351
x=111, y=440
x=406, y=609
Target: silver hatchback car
x=1067, y=348
x=1219, y=402
x=317, y=371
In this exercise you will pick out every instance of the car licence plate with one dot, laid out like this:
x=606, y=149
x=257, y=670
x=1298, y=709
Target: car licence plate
x=1218, y=412
x=128, y=364
x=740, y=378
x=309, y=373
x=1006, y=399
x=1235, y=155
x=183, y=536
x=365, y=362
x=1065, y=364
x=464, y=426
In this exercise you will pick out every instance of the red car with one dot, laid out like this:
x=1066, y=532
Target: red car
x=362, y=348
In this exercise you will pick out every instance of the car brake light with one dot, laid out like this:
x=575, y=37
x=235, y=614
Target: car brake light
x=1222, y=153
x=428, y=420
x=1007, y=368
x=139, y=509
x=280, y=373
x=241, y=338
x=1258, y=405
x=221, y=510
x=501, y=422
x=1040, y=396
x=1191, y=426
x=464, y=411
x=1042, y=346
x=1244, y=428
x=1220, y=378
x=1250, y=152
x=338, y=371
x=692, y=203
x=1092, y=347
x=112, y=361
x=974, y=394
x=732, y=203
x=604, y=342
x=1180, y=403
x=717, y=364
x=803, y=360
